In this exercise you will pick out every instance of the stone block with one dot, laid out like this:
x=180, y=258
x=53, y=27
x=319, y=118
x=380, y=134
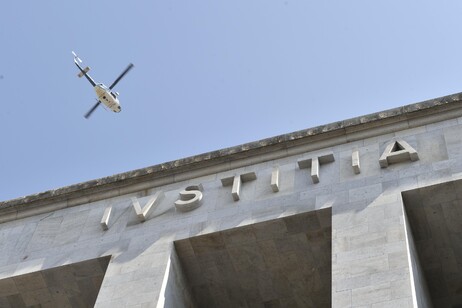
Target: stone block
x=453, y=139
x=404, y=303
x=369, y=192
x=341, y=299
x=371, y=294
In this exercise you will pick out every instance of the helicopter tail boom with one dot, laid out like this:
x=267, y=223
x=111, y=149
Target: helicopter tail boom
x=83, y=72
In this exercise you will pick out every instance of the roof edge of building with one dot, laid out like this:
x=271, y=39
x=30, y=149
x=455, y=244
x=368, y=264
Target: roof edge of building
x=169, y=172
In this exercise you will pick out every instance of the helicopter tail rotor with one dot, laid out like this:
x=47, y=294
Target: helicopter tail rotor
x=76, y=58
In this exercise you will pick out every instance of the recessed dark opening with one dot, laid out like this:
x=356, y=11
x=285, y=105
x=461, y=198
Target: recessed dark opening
x=283, y=262
x=73, y=285
x=435, y=217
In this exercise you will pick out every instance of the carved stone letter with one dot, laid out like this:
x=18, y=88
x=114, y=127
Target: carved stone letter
x=275, y=179
x=142, y=213
x=314, y=163
x=236, y=181
x=190, y=198
x=396, y=152
x=355, y=162
x=105, y=219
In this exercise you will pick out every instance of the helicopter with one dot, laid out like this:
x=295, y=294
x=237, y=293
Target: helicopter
x=105, y=94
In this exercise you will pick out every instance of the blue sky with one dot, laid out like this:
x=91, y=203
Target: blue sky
x=208, y=75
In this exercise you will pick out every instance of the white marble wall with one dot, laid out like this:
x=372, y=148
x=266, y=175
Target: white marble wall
x=418, y=284
x=370, y=266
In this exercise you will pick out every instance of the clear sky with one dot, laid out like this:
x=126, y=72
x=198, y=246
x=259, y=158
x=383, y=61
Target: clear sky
x=208, y=75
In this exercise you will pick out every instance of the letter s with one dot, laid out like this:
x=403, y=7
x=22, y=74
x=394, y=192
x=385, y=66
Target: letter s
x=190, y=198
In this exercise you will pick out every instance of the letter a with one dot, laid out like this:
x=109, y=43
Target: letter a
x=397, y=152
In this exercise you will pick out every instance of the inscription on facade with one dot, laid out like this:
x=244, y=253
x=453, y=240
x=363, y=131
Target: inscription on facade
x=192, y=196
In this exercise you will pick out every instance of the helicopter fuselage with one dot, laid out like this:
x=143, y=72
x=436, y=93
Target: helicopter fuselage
x=105, y=94
x=108, y=98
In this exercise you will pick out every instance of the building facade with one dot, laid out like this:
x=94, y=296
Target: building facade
x=365, y=212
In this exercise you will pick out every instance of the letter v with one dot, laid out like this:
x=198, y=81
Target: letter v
x=142, y=213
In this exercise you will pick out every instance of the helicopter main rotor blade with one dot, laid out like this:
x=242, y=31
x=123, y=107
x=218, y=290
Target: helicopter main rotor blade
x=129, y=67
x=88, y=114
